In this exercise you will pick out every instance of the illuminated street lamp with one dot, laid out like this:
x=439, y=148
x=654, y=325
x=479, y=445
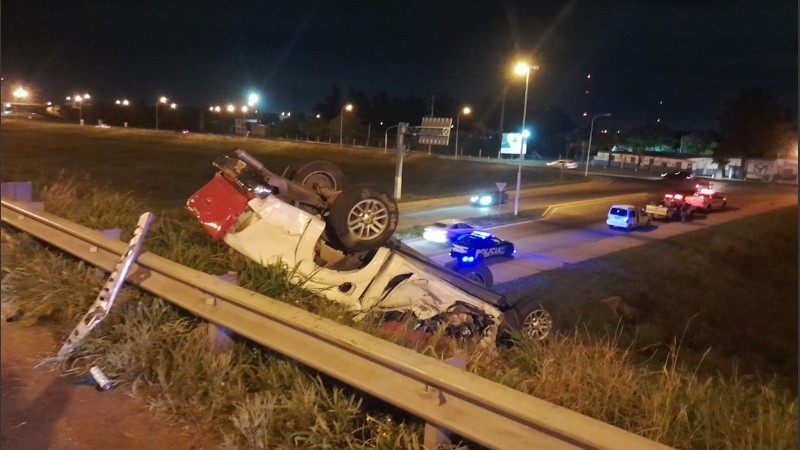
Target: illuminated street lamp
x=79, y=99
x=20, y=93
x=230, y=108
x=589, y=150
x=252, y=99
x=466, y=110
x=124, y=103
x=522, y=69
x=244, y=113
x=347, y=107
x=160, y=100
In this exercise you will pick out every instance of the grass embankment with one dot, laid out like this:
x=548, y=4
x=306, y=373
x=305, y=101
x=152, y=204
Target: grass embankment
x=165, y=168
x=731, y=288
x=259, y=400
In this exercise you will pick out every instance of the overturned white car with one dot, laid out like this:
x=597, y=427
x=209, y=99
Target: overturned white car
x=340, y=241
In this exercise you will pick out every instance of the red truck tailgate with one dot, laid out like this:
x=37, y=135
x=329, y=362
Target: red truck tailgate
x=217, y=205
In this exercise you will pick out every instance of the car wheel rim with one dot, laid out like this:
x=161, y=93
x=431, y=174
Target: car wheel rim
x=368, y=219
x=538, y=324
x=319, y=180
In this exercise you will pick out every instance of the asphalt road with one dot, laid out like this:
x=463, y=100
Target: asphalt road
x=574, y=229
x=428, y=211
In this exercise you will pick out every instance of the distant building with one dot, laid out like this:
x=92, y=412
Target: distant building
x=777, y=170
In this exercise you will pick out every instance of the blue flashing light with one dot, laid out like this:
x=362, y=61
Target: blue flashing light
x=467, y=259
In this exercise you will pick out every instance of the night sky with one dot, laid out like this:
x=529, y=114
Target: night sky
x=694, y=56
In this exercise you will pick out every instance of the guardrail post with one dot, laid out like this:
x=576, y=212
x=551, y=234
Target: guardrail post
x=435, y=436
x=220, y=339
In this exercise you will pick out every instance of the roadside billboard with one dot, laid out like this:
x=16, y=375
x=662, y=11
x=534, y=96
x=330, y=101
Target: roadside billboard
x=513, y=144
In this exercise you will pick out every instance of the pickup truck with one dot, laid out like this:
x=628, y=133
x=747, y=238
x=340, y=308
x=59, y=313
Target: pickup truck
x=627, y=217
x=670, y=207
x=338, y=242
x=707, y=200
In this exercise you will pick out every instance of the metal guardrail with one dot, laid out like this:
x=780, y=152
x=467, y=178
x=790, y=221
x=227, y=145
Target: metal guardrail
x=477, y=409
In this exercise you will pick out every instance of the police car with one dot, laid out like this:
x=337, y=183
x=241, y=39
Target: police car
x=478, y=245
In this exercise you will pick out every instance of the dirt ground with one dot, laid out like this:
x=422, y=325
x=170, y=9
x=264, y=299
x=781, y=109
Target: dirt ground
x=41, y=409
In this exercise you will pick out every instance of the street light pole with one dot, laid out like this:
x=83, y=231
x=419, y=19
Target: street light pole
x=348, y=107
x=520, y=67
x=160, y=100
x=465, y=110
x=386, y=138
x=79, y=99
x=589, y=150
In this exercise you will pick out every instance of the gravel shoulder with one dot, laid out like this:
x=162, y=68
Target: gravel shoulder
x=42, y=409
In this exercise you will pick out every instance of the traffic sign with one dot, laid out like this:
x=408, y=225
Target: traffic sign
x=435, y=130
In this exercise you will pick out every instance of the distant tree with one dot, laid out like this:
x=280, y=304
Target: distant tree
x=692, y=144
x=551, y=127
x=330, y=107
x=574, y=142
x=755, y=125
x=650, y=136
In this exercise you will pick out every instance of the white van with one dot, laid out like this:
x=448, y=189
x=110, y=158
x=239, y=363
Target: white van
x=627, y=217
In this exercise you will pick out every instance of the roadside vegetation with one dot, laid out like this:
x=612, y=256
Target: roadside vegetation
x=255, y=398
x=703, y=366
x=731, y=288
x=145, y=163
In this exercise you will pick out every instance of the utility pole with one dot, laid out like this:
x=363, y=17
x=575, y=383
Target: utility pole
x=502, y=115
x=433, y=102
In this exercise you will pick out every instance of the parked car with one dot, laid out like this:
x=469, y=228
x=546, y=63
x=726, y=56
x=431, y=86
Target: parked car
x=447, y=230
x=479, y=245
x=489, y=197
x=627, y=217
x=677, y=175
x=707, y=200
x=703, y=184
x=564, y=164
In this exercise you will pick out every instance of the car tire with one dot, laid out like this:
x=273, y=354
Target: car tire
x=537, y=324
x=612, y=227
x=320, y=174
x=477, y=273
x=362, y=218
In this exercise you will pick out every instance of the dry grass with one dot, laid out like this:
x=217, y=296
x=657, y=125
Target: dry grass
x=257, y=399
x=671, y=403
